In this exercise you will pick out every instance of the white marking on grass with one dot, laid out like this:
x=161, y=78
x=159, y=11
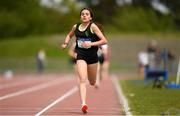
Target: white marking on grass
x=67, y=94
x=178, y=73
x=122, y=98
x=34, y=88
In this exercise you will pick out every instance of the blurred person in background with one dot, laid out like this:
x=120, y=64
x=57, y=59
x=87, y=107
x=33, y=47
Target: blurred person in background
x=88, y=38
x=103, y=65
x=41, y=59
x=73, y=55
x=103, y=58
x=153, y=52
x=149, y=57
x=152, y=46
x=142, y=62
x=171, y=61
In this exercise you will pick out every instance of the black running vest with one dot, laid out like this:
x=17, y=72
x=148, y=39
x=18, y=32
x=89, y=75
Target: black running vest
x=85, y=35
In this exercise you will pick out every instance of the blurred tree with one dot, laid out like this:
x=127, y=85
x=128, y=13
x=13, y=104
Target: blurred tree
x=174, y=7
x=15, y=15
x=137, y=19
x=104, y=9
x=143, y=3
x=24, y=17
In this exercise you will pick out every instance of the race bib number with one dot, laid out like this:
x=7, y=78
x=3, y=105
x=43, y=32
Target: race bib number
x=81, y=40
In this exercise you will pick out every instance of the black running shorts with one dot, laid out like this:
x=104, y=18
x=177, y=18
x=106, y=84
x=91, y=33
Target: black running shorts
x=89, y=56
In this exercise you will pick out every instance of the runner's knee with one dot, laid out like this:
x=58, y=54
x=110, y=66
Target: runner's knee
x=82, y=80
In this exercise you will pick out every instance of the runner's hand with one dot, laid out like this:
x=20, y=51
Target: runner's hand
x=63, y=46
x=86, y=44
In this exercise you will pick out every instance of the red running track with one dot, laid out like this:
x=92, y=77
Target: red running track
x=55, y=94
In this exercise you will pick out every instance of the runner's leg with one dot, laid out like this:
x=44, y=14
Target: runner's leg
x=98, y=76
x=92, y=73
x=82, y=73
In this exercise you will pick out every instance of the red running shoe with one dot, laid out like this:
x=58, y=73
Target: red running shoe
x=84, y=108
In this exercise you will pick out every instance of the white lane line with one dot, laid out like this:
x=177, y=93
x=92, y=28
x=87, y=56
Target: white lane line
x=34, y=88
x=13, y=84
x=122, y=98
x=23, y=82
x=67, y=94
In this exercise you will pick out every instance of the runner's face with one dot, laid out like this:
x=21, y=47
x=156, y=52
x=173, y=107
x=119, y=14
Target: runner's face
x=85, y=16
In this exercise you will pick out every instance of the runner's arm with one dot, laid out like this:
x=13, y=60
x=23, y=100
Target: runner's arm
x=68, y=37
x=102, y=38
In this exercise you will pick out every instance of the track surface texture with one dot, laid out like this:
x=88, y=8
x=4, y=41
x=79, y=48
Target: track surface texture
x=55, y=94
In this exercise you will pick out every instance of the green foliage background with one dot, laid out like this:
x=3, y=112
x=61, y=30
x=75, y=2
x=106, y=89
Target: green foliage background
x=28, y=17
x=130, y=19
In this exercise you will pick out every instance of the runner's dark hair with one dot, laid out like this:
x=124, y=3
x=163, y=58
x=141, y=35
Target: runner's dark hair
x=100, y=26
